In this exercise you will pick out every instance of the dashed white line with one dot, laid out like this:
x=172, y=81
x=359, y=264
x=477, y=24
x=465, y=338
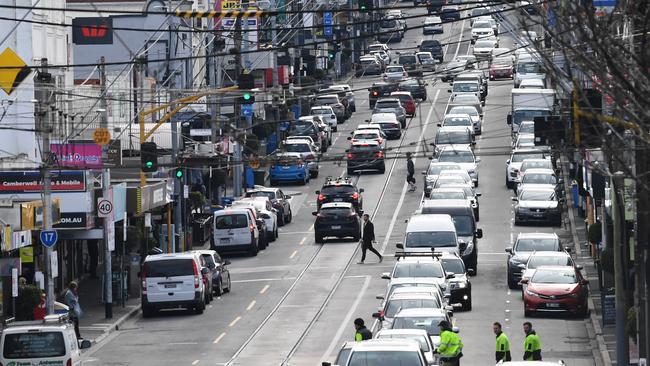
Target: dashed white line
x=219, y=338
x=195, y=362
x=250, y=306
x=263, y=290
x=232, y=323
x=303, y=240
x=293, y=254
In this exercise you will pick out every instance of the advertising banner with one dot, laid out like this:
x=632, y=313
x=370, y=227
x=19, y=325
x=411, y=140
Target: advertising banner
x=32, y=181
x=78, y=155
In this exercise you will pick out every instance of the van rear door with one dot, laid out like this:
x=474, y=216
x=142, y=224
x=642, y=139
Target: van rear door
x=232, y=229
x=171, y=279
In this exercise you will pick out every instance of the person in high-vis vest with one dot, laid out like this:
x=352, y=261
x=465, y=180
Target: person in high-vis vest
x=451, y=347
x=532, y=344
x=503, y=344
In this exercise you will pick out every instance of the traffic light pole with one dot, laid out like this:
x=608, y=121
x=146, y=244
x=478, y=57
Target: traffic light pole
x=238, y=167
x=106, y=182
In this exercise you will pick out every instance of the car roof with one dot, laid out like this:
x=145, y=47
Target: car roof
x=203, y=251
x=403, y=331
x=333, y=182
x=401, y=92
x=321, y=107
x=526, y=151
x=383, y=115
x=398, y=345
x=424, y=223
x=421, y=312
x=550, y=253
x=446, y=203
x=537, y=236
x=539, y=171
x=367, y=130
x=336, y=205
x=416, y=295
x=537, y=161
x=170, y=256
x=415, y=290
x=457, y=115
x=456, y=147
x=556, y=268
x=327, y=96
x=371, y=143
x=414, y=280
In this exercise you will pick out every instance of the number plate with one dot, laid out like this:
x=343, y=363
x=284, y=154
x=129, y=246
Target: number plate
x=338, y=200
x=286, y=167
x=336, y=227
x=224, y=240
x=170, y=286
x=552, y=305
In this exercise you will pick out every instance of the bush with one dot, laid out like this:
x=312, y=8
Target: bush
x=28, y=297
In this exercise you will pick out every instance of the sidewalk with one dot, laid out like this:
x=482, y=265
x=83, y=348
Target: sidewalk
x=93, y=325
x=603, y=339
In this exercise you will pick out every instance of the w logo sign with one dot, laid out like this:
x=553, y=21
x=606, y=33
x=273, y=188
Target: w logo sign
x=94, y=31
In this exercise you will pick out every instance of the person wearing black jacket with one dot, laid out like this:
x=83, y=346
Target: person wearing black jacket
x=367, y=237
x=410, y=167
x=362, y=333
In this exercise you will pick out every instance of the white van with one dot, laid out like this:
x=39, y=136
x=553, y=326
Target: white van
x=51, y=341
x=424, y=232
x=172, y=281
x=235, y=229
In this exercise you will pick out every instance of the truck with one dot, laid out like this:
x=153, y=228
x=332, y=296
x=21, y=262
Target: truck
x=528, y=104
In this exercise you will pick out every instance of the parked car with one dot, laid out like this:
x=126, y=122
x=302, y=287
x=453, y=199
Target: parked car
x=219, y=273
x=279, y=200
x=555, y=289
x=288, y=167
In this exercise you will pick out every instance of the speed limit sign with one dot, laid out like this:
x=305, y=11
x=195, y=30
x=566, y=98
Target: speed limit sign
x=104, y=207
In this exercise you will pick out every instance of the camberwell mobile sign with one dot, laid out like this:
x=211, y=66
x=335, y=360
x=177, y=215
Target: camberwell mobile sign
x=32, y=181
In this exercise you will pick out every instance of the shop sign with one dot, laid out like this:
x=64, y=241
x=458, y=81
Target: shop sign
x=32, y=181
x=78, y=155
x=72, y=220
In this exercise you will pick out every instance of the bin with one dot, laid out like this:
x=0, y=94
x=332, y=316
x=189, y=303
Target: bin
x=119, y=291
x=259, y=177
x=575, y=194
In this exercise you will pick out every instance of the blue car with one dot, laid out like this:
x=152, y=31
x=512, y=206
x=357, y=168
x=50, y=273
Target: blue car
x=289, y=167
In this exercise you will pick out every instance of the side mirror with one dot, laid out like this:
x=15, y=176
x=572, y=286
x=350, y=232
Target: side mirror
x=448, y=90
x=507, y=161
x=579, y=267
x=509, y=250
x=478, y=160
x=450, y=275
x=379, y=297
x=567, y=249
x=367, y=120
x=84, y=344
x=361, y=190
x=439, y=124
x=349, y=138
x=470, y=271
x=424, y=172
x=399, y=246
x=314, y=213
x=326, y=364
x=347, y=150
x=479, y=233
x=385, y=276
x=478, y=194
x=509, y=119
x=560, y=181
x=515, y=199
x=227, y=262
x=317, y=192
x=524, y=281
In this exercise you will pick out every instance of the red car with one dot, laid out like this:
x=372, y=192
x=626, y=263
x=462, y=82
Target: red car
x=406, y=100
x=556, y=289
x=501, y=67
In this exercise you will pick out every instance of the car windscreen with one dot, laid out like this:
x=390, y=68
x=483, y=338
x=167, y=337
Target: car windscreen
x=388, y=23
x=406, y=269
x=424, y=345
x=454, y=265
x=465, y=88
x=234, y=221
x=519, y=157
x=169, y=267
x=529, y=68
x=364, y=148
x=337, y=190
x=456, y=66
x=528, y=115
x=430, y=324
x=343, y=355
x=387, y=104
x=546, y=164
x=464, y=224
x=503, y=62
x=481, y=24
x=535, y=178
x=428, y=239
x=531, y=195
x=464, y=110
x=367, y=61
x=297, y=148
x=527, y=128
x=384, y=358
x=456, y=156
x=395, y=305
x=484, y=44
x=320, y=111
x=302, y=129
x=447, y=196
x=532, y=245
x=394, y=69
x=33, y=345
x=268, y=194
x=435, y=169
x=406, y=60
x=449, y=180
x=555, y=276
x=430, y=44
x=526, y=141
x=388, y=125
x=326, y=100
x=365, y=136
x=540, y=260
x=457, y=121
x=466, y=99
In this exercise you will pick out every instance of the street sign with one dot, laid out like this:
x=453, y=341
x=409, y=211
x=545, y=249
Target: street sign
x=13, y=70
x=49, y=238
x=247, y=110
x=327, y=22
x=101, y=136
x=104, y=207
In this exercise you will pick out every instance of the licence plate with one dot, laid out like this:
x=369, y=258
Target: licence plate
x=552, y=305
x=286, y=167
x=224, y=240
x=538, y=215
x=338, y=200
x=170, y=286
x=336, y=227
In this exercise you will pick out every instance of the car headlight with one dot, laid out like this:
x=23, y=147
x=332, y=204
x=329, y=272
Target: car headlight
x=468, y=250
x=457, y=285
x=531, y=293
x=574, y=295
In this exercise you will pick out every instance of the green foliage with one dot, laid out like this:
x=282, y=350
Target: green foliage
x=28, y=297
x=595, y=234
x=197, y=200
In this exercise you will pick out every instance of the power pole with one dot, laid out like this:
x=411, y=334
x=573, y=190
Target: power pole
x=238, y=169
x=106, y=184
x=43, y=94
x=622, y=355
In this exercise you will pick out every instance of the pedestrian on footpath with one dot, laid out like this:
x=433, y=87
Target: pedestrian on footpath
x=72, y=300
x=362, y=333
x=503, y=344
x=410, y=178
x=532, y=344
x=367, y=238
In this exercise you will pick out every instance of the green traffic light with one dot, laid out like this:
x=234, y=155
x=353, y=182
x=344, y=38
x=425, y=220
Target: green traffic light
x=247, y=96
x=363, y=7
x=179, y=173
x=149, y=164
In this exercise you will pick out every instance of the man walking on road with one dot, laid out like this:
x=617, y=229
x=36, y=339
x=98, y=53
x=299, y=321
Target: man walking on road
x=503, y=344
x=532, y=344
x=362, y=333
x=367, y=237
x=410, y=178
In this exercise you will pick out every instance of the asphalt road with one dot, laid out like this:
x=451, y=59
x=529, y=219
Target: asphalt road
x=294, y=303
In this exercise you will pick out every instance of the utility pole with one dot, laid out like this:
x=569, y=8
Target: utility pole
x=238, y=168
x=622, y=356
x=43, y=94
x=106, y=184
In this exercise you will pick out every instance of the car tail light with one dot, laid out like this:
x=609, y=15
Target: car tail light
x=252, y=227
x=321, y=197
x=350, y=156
x=355, y=195
x=143, y=278
x=68, y=363
x=380, y=154
x=375, y=93
x=196, y=274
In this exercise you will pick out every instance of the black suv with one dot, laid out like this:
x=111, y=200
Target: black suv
x=337, y=219
x=340, y=190
x=417, y=88
x=367, y=155
x=433, y=46
x=379, y=90
x=460, y=289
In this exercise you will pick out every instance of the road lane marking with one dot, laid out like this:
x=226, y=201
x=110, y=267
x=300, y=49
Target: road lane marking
x=303, y=240
x=460, y=39
x=232, y=323
x=263, y=290
x=293, y=254
x=216, y=340
x=250, y=306
x=346, y=321
x=195, y=362
x=403, y=194
x=311, y=228
x=264, y=280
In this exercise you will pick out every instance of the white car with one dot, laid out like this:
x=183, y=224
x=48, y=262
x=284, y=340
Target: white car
x=308, y=152
x=532, y=84
x=419, y=335
x=432, y=25
x=395, y=73
x=463, y=156
x=267, y=213
x=382, y=55
x=482, y=48
x=474, y=115
x=516, y=159
x=491, y=20
x=482, y=29
x=426, y=60
x=380, y=46
x=360, y=136
x=326, y=130
x=327, y=113
x=458, y=120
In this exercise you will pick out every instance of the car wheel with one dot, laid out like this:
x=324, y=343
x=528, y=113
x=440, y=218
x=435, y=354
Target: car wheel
x=517, y=221
x=254, y=249
x=281, y=218
x=207, y=297
x=335, y=129
x=272, y=182
x=509, y=184
x=227, y=289
x=290, y=216
x=528, y=314
x=219, y=290
x=318, y=239
x=467, y=306
x=148, y=311
x=313, y=174
x=477, y=215
x=199, y=307
x=276, y=234
x=382, y=170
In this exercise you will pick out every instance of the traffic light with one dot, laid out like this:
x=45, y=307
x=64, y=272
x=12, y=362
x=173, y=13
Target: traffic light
x=366, y=5
x=246, y=81
x=247, y=98
x=148, y=157
x=331, y=54
x=178, y=173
